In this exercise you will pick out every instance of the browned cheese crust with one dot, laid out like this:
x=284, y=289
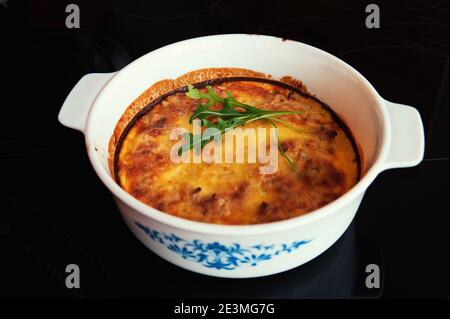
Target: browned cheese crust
x=231, y=193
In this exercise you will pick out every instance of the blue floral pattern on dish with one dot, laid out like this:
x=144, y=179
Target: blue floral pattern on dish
x=219, y=256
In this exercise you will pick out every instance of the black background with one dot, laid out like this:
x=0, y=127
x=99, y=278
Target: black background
x=55, y=211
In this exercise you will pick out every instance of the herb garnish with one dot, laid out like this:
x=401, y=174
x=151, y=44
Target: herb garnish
x=231, y=115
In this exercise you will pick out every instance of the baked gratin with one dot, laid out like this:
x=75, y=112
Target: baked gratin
x=318, y=159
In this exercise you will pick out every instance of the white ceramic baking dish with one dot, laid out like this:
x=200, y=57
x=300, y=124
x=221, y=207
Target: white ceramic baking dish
x=390, y=135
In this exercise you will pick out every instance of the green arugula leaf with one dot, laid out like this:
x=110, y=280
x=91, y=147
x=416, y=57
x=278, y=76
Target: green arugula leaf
x=228, y=117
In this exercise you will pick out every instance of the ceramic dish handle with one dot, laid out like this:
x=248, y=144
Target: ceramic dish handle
x=76, y=107
x=407, y=142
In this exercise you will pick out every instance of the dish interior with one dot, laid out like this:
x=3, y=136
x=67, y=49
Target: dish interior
x=321, y=158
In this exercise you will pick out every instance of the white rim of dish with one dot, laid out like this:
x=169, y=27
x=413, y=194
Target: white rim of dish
x=253, y=229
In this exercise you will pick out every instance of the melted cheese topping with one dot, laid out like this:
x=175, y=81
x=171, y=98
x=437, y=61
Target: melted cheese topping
x=236, y=193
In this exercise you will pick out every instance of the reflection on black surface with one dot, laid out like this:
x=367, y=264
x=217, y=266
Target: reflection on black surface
x=331, y=275
x=334, y=274
x=132, y=270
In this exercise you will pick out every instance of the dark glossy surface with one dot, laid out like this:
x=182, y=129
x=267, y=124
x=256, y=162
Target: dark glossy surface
x=55, y=211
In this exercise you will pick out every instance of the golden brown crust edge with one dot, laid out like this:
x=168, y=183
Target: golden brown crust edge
x=164, y=86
